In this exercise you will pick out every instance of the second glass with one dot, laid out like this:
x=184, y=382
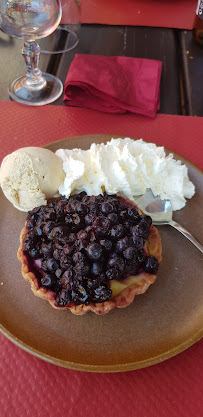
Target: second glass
x=66, y=36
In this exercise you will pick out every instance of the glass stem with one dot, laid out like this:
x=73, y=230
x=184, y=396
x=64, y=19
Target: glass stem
x=31, y=54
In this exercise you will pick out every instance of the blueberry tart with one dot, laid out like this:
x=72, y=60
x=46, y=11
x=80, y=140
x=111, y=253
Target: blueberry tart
x=89, y=253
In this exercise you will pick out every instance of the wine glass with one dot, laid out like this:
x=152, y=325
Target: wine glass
x=31, y=20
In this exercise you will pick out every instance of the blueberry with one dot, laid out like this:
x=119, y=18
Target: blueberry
x=74, y=198
x=106, y=244
x=88, y=230
x=30, y=223
x=65, y=261
x=34, y=252
x=71, y=206
x=57, y=254
x=81, y=245
x=82, y=268
x=68, y=249
x=113, y=218
x=49, y=215
x=129, y=253
x=31, y=235
x=128, y=225
x=58, y=273
x=27, y=245
x=102, y=294
x=81, y=208
x=80, y=294
x=135, y=230
x=113, y=273
x=101, y=226
x=60, y=206
x=93, y=283
x=36, y=210
x=48, y=281
x=97, y=280
x=107, y=208
x=89, y=218
x=44, y=265
x=94, y=251
x=122, y=244
x=140, y=257
x=77, y=222
x=113, y=199
x=151, y=265
x=141, y=230
x=113, y=255
x=123, y=214
x=94, y=209
x=106, y=226
x=81, y=195
x=99, y=198
x=78, y=257
x=92, y=237
x=144, y=228
x=46, y=249
x=133, y=266
x=69, y=220
x=133, y=215
x=52, y=264
x=67, y=278
x=147, y=219
x=72, y=238
x=85, y=199
x=78, y=278
x=117, y=231
x=82, y=235
x=51, y=203
x=48, y=227
x=64, y=298
x=138, y=242
x=56, y=233
x=116, y=262
x=92, y=200
x=97, y=268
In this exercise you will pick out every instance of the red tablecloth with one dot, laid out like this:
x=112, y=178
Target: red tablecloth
x=32, y=387
x=158, y=13
x=24, y=126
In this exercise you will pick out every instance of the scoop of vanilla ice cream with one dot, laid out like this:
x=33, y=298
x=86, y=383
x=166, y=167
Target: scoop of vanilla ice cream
x=126, y=167
x=29, y=176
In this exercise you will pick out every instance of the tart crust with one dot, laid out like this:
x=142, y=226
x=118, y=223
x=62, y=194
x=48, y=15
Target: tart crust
x=143, y=280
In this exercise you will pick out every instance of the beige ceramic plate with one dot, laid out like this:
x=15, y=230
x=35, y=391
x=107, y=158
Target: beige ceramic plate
x=157, y=325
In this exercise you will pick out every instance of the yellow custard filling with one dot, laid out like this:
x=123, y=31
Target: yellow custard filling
x=117, y=286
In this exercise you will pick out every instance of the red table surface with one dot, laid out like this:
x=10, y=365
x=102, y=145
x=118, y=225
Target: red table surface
x=32, y=387
x=26, y=126
x=158, y=13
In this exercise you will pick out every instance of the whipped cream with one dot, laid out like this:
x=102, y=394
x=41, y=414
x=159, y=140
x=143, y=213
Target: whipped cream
x=128, y=168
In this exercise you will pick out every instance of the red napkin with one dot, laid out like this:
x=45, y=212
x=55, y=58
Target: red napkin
x=114, y=84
